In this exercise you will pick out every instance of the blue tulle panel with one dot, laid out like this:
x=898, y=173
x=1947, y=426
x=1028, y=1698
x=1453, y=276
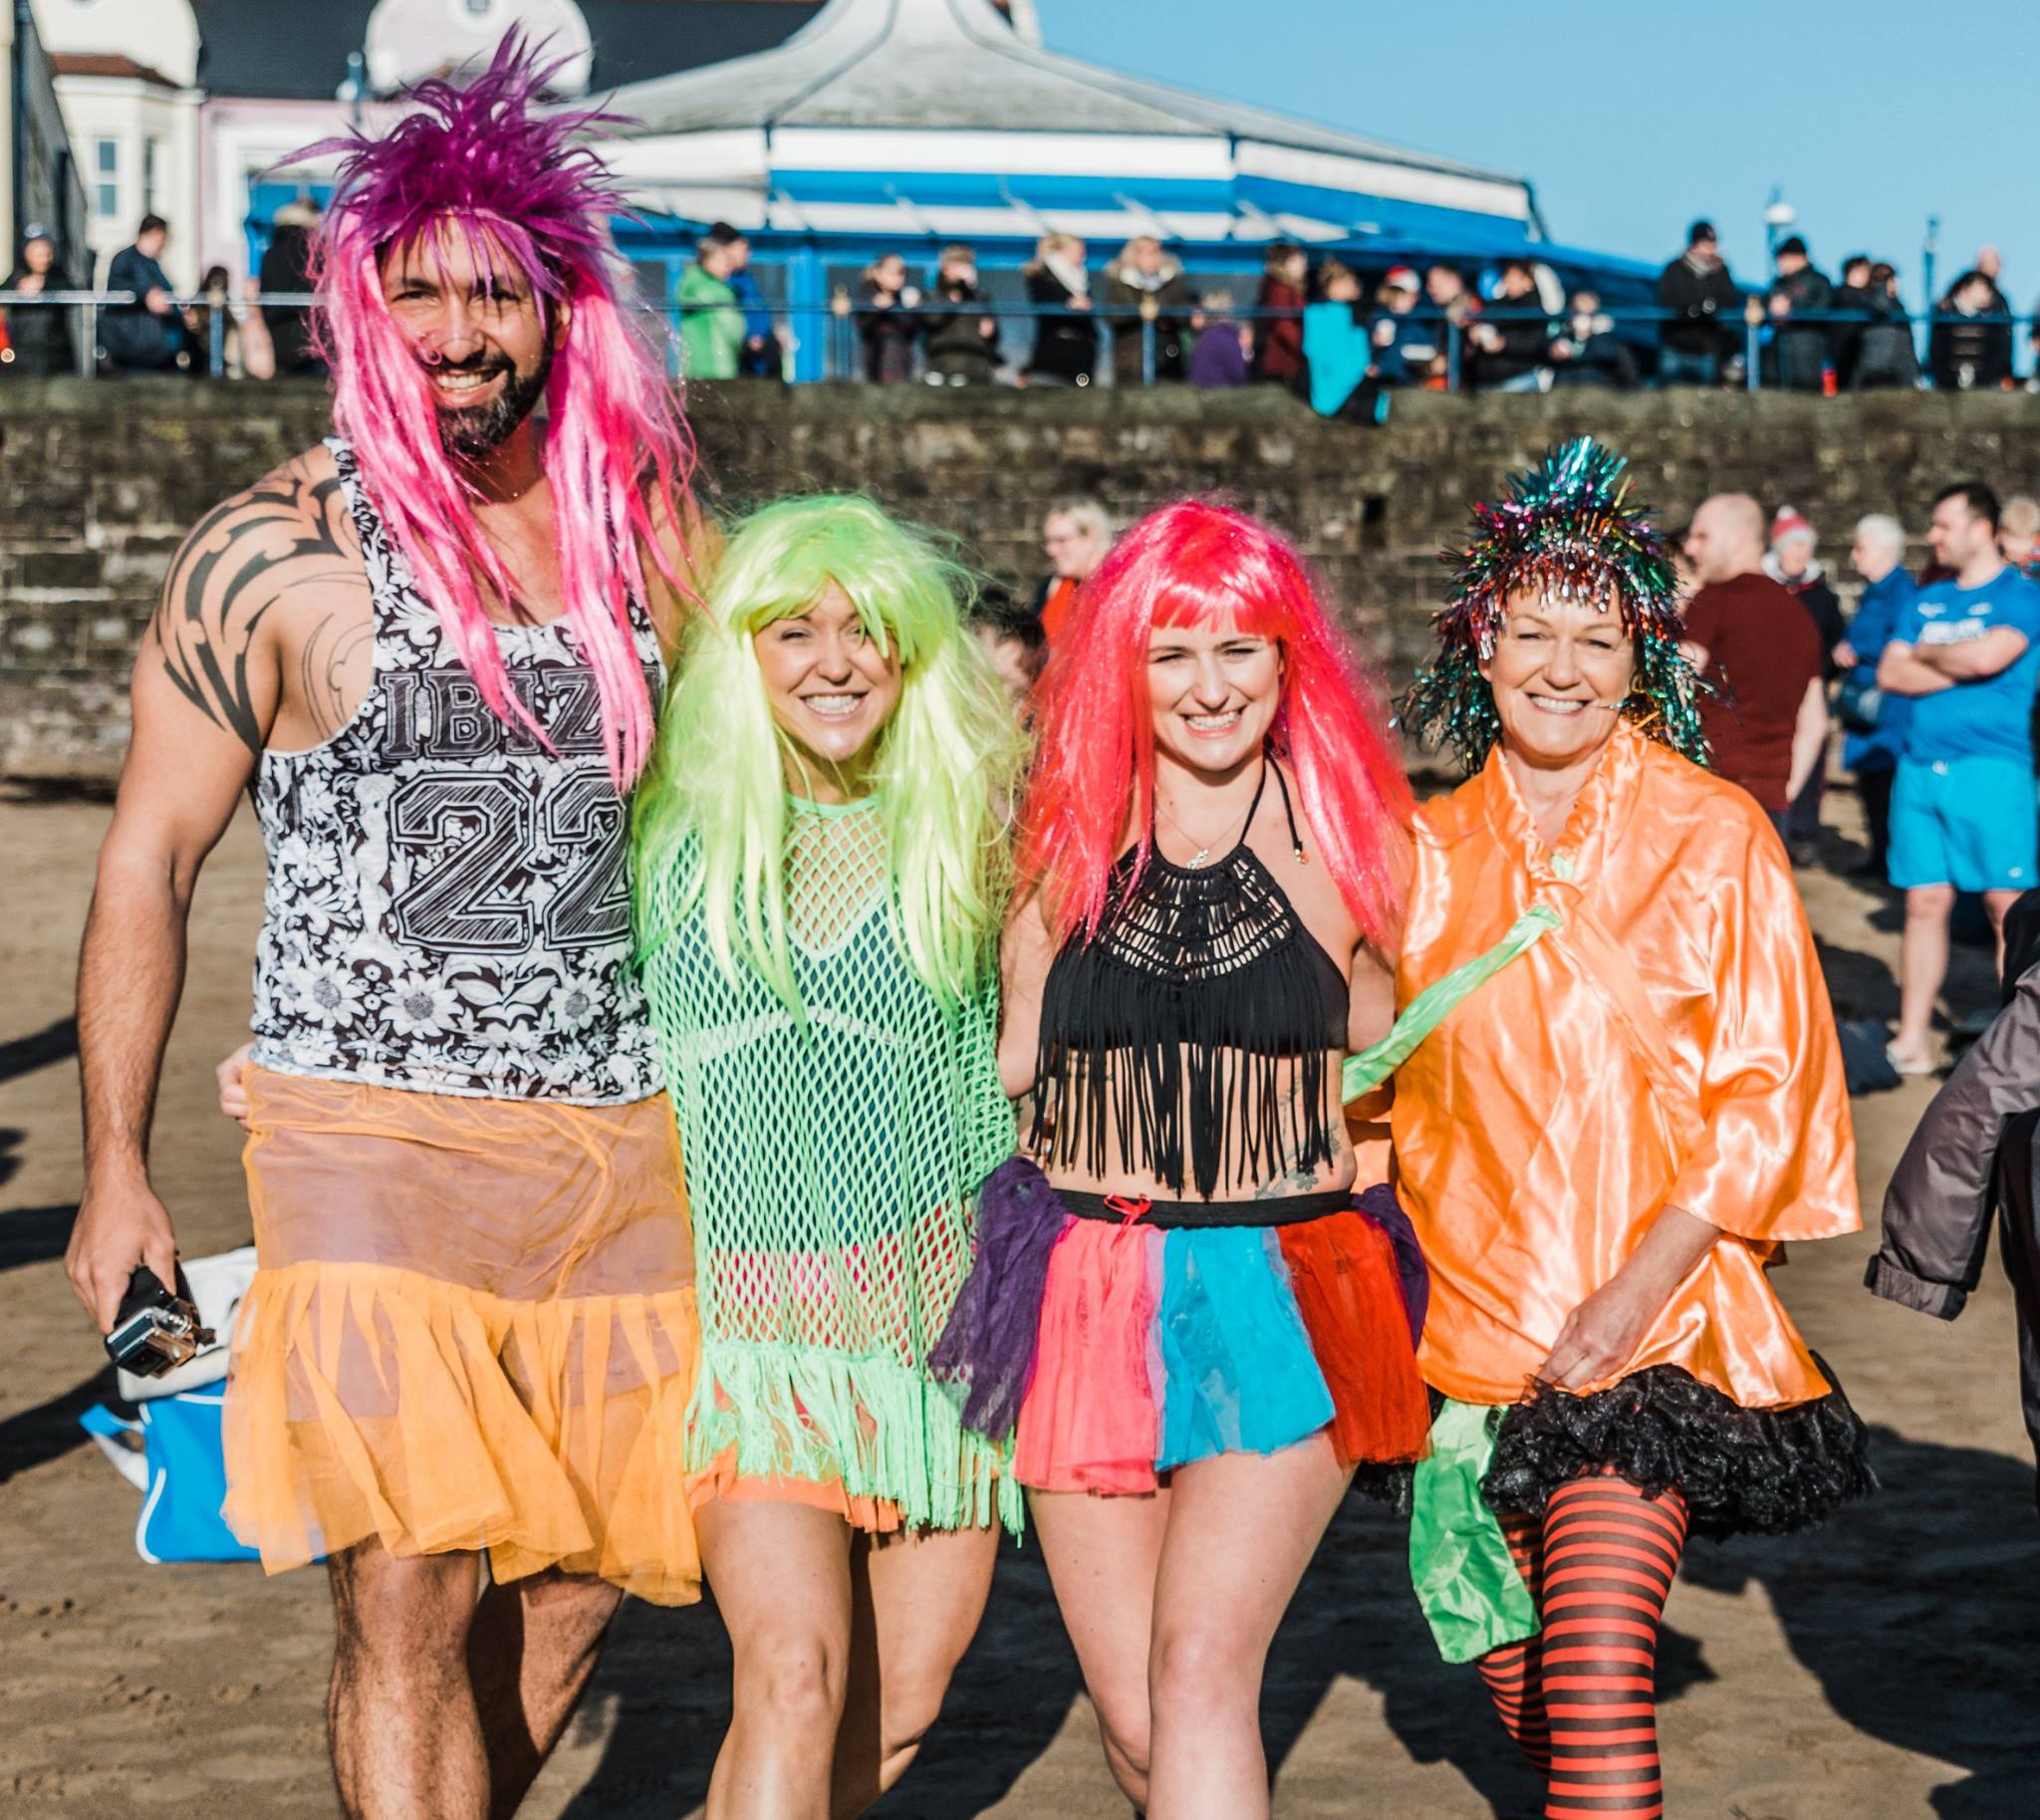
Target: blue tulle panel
x=1239, y=1371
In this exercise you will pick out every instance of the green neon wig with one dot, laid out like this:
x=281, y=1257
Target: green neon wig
x=946, y=767
x=1567, y=528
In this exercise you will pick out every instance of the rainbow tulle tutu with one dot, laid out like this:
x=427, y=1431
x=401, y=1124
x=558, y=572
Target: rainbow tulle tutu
x=1118, y=1350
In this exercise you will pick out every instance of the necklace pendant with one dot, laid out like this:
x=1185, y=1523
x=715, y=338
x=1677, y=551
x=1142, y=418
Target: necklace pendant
x=1199, y=858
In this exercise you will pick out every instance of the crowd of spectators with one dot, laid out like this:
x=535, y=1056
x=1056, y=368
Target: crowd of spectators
x=1343, y=337
x=155, y=333
x=1932, y=680
x=1816, y=335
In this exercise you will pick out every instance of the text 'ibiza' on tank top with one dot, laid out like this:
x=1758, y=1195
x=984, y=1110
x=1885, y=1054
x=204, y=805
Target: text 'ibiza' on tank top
x=1196, y=1028
x=449, y=901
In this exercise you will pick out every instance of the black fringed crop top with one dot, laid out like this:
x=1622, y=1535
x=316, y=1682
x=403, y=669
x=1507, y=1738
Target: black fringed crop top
x=1196, y=1026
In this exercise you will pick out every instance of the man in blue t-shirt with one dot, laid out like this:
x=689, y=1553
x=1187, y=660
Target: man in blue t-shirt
x=1965, y=815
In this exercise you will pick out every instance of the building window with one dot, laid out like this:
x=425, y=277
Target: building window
x=105, y=165
x=151, y=174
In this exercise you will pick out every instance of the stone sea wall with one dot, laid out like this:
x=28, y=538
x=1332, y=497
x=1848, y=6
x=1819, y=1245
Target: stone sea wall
x=99, y=480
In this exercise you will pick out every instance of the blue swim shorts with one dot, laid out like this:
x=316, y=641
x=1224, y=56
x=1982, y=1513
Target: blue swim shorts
x=1974, y=823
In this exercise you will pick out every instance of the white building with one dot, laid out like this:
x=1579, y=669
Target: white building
x=126, y=72
x=185, y=108
x=38, y=185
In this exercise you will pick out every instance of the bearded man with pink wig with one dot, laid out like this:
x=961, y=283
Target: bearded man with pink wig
x=430, y=650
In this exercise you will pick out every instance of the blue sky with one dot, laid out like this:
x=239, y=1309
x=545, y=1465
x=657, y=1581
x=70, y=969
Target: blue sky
x=1632, y=119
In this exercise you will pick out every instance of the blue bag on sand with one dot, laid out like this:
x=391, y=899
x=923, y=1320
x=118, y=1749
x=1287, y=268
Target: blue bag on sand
x=180, y=1470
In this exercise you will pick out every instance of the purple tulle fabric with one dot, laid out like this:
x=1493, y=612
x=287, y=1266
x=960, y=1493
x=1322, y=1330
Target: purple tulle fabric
x=1380, y=1204
x=988, y=1347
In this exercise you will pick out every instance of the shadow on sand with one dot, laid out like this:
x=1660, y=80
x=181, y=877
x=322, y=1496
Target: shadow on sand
x=1917, y=1611
x=667, y=1675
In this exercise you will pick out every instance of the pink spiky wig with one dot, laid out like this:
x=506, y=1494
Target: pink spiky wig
x=1191, y=564
x=478, y=159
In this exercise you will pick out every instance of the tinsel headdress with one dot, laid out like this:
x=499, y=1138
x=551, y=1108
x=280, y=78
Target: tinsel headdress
x=1567, y=528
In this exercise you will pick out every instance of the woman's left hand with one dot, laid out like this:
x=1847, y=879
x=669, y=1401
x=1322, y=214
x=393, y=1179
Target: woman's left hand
x=1601, y=1335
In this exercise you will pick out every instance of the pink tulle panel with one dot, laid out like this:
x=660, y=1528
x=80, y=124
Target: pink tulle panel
x=1090, y=1419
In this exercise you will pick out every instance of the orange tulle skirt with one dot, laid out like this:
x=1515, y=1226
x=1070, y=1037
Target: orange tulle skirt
x=472, y=1327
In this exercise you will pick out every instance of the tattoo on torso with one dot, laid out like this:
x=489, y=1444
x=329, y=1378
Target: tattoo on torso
x=285, y=550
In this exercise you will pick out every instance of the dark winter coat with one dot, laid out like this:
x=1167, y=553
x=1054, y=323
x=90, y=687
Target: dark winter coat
x=1845, y=339
x=1603, y=360
x=1800, y=349
x=287, y=268
x=888, y=334
x=1706, y=309
x=133, y=336
x=40, y=334
x=957, y=343
x=1525, y=346
x=1176, y=299
x=1969, y=353
x=1883, y=352
x=1824, y=606
x=1065, y=346
x=1974, y=1162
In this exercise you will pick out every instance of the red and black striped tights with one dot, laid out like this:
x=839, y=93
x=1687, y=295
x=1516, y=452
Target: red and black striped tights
x=1580, y=1698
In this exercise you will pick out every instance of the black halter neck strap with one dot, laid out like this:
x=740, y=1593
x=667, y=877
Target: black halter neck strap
x=1269, y=764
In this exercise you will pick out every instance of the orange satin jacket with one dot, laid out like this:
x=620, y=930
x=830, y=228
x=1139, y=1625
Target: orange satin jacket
x=1671, y=1042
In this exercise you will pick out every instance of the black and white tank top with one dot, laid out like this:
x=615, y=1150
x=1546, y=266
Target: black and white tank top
x=448, y=902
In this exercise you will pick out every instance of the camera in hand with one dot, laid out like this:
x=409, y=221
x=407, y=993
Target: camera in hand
x=156, y=1330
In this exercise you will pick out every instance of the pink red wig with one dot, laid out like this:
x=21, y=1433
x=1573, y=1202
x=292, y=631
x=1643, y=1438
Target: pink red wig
x=478, y=160
x=1192, y=564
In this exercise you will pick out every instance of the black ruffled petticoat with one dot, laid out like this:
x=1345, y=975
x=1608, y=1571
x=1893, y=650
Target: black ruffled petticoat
x=1754, y=1471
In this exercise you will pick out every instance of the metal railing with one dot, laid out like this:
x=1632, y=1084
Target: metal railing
x=1747, y=357
x=221, y=309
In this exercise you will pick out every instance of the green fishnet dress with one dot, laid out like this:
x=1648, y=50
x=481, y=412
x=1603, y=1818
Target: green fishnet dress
x=833, y=1172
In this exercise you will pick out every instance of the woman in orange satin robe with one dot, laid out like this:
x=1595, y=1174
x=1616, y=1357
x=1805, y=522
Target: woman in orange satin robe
x=1633, y=1102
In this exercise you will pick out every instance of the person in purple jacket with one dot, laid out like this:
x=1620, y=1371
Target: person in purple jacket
x=1222, y=354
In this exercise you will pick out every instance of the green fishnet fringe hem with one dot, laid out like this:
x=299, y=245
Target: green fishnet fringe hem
x=785, y=1412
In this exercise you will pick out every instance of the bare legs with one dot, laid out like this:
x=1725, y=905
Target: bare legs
x=1998, y=904
x=1923, y=960
x=844, y=1646
x=1173, y=1601
x=530, y=1653
x=443, y=1705
x=781, y=1575
x=1104, y=1557
x=915, y=1602
x=1923, y=965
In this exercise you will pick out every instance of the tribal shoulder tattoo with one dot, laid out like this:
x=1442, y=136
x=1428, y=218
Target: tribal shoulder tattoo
x=288, y=532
